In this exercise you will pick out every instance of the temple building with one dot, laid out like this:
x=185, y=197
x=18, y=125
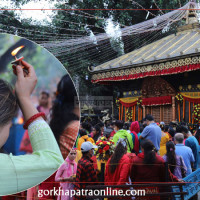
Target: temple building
x=161, y=78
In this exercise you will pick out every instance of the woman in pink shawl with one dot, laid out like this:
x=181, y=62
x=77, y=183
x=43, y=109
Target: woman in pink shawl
x=66, y=174
x=135, y=129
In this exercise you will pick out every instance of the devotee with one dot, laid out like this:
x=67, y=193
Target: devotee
x=166, y=130
x=66, y=175
x=163, y=141
x=148, y=166
x=171, y=132
x=121, y=133
x=65, y=123
x=83, y=138
x=176, y=163
x=19, y=173
x=135, y=129
x=185, y=152
x=44, y=102
x=65, y=115
x=152, y=132
x=86, y=174
x=118, y=166
x=191, y=142
x=96, y=132
x=87, y=126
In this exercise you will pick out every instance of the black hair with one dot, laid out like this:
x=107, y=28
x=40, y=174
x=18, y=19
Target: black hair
x=82, y=132
x=171, y=131
x=120, y=150
x=141, y=127
x=63, y=107
x=171, y=155
x=149, y=118
x=119, y=124
x=162, y=126
x=127, y=126
x=98, y=134
x=101, y=124
x=166, y=128
x=182, y=129
x=8, y=101
x=45, y=93
x=87, y=126
x=149, y=151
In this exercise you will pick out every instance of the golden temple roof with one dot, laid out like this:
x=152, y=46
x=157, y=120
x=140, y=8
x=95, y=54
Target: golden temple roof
x=182, y=44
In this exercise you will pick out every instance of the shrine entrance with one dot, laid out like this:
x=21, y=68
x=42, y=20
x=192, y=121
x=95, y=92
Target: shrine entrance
x=159, y=99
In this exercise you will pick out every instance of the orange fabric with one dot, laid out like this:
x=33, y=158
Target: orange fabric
x=189, y=113
x=68, y=138
x=84, y=139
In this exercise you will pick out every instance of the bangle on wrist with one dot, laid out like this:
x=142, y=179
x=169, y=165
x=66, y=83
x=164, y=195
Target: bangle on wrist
x=34, y=117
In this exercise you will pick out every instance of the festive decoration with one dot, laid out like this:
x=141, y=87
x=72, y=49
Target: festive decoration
x=157, y=101
x=167, y=68
x=192, y=97
x=196, y=113
x=139, y=101
x=105, y=149
x=129, y=113
x=128, y=101
x=179, y=98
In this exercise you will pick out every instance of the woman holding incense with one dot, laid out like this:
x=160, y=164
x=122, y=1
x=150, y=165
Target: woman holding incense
x=19, y=173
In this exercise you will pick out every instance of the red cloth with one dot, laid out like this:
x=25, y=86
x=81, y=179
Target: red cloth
x=49, y=184
x=175, y=70
x=149, y=173
x=128, y=104
x=192, y=100
x=121, y=174
x=135, y=129
x=26, y=143
x=112, y=133
x=157, y=101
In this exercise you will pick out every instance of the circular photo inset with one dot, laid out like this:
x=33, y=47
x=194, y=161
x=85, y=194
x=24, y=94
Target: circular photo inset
x=39, y=114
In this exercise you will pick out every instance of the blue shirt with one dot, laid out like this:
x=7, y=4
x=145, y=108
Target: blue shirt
x=187, y=155
x=152, y=132
x=194, y=145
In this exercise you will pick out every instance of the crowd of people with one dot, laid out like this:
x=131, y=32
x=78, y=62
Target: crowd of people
x=141, y=151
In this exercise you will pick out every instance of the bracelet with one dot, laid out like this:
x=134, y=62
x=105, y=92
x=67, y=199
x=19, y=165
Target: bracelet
x=28, y=122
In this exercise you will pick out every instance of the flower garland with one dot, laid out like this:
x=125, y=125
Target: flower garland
x=179, y=97
x=129, y=114
x=196, y=113
x=105, y=149
x=139, y=102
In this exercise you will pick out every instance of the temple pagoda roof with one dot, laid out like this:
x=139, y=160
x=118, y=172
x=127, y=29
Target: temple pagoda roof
x=162, y=56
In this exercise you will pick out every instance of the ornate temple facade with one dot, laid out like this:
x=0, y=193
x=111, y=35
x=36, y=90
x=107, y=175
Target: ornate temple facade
x=161, y=78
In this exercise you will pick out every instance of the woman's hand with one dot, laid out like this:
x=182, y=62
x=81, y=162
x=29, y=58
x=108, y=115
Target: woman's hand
x=24, y=87
x=25, y=82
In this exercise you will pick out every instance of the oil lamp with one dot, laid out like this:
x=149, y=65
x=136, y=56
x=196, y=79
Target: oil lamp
x=18, y=61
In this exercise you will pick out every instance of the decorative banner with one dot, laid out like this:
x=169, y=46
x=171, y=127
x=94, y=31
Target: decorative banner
x=151, y=71
x=129, y=101
x=154, y=101
x=192, y=185
x=190, y=98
